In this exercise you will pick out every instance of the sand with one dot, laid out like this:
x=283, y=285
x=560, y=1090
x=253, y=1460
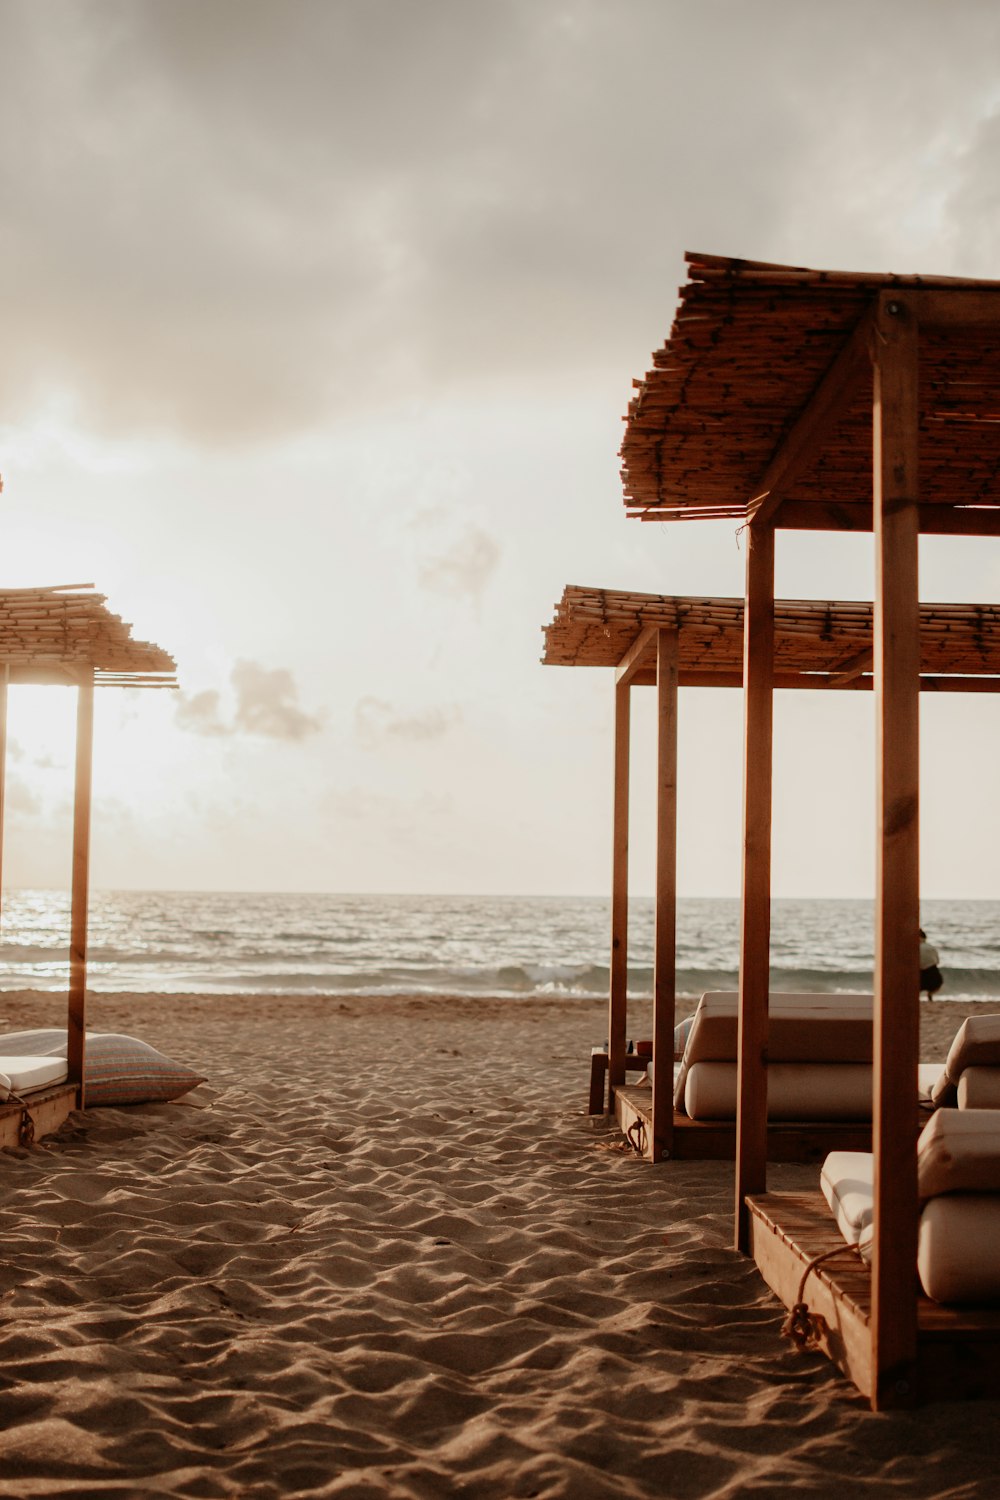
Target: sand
x=384, y=1253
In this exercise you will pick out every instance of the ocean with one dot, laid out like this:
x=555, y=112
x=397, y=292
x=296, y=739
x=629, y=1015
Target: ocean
x=467, y=945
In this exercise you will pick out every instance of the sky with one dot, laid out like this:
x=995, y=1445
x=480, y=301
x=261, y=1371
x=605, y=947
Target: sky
x=319, y=321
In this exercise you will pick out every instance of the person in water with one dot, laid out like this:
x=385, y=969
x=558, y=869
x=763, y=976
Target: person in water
x=931, y=978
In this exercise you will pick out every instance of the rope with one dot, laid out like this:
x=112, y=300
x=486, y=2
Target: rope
x=636, y=1135
x=801, y=1326
x=26, y=1128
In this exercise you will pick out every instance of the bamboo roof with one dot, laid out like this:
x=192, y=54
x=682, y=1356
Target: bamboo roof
x=817, y=643
x=58, y=633
x=758, y=352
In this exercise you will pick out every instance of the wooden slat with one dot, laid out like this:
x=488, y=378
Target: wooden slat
x=897, y=989
x=617, y=1004
x=665, y=935
x=755, y=931
x=77, y=1018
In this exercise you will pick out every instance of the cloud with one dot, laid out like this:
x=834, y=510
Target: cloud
x=246, y=220
x=201, y=713
x=463, y=570
x=377, y=722
x=266, y=705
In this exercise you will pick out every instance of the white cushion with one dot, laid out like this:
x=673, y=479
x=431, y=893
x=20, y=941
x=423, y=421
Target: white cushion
x=957, y=1248
x=795, y=1091
x=19, y=1073
x=959, y=1152
x=847, y=1180
x=976, y=1044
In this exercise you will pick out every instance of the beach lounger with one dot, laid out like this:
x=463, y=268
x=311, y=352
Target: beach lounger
x=34, y=1096
x=819, y=1080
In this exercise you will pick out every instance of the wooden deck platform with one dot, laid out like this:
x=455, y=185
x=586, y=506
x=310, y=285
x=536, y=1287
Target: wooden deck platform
x=47, y=1107
x=958, y=1352
x=715, y=1140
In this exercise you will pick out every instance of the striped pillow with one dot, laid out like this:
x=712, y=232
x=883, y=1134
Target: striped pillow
x=117, y=1069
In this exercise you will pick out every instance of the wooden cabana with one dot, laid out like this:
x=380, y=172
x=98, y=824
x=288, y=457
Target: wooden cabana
x=66, y=636
x=799, y=399
x=672, y=642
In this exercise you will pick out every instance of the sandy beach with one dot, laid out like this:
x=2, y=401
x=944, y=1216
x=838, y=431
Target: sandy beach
x=382, y=1252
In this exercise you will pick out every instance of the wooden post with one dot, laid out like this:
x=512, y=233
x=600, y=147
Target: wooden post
x=665, y=941
x=897, y=980
x=755, y=931
x=618, y=1001
x=4, y=685
x=77, y=1018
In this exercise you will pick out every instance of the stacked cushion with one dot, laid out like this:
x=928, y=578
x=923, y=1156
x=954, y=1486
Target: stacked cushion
x=958, y=1182
x=819, y=1058
x=976, y=1047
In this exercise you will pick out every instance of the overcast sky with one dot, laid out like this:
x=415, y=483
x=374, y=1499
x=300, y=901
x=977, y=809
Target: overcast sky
x=319, y=321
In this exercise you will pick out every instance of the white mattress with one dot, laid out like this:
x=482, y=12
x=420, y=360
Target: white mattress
x=21, y=1073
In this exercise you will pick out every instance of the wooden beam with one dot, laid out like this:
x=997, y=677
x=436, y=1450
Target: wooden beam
x=665, y=938
x=854, y=667
x=755, y=932
x=617, y=999
x=827, y=405
x=632, y=663
x=797, y=514
x=930, y=682
x=960, y=308
x=897, y=913
x=77, y=1017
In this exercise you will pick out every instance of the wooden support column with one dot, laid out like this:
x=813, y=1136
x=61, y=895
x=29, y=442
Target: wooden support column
x=77, y=1019
x=618, y=1003
x=665, y=941
x=4, y=685
x=897, y=916
x=755, y=931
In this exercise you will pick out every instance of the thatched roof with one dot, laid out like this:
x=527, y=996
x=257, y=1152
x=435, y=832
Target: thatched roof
x=56, y=633
x=755, y=349
x=816, y=643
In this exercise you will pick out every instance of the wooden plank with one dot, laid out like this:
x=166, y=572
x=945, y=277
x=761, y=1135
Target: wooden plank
x=755, y=931
x=844, y=1332
x=800, y=514
x=826, y=407
x=897, y=917
x=960, y=308
x=665, y=934
x=637, y=656
x=715, y=1140
x=617, y=1001
x=77, y=1017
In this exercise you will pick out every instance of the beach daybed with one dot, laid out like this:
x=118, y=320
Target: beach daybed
x=672, y=642
x=793, y=399
x=65, y=637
